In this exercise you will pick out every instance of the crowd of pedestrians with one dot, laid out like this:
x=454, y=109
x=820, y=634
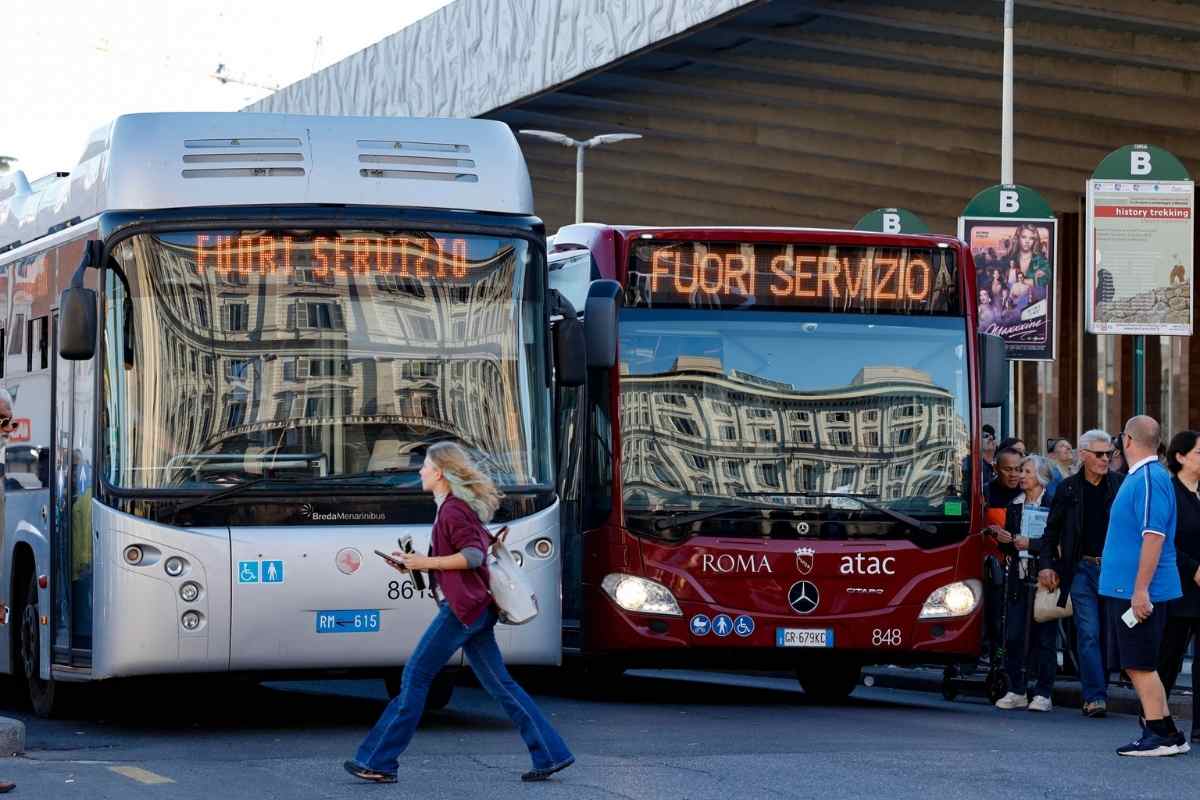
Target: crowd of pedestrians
x=1108, y=534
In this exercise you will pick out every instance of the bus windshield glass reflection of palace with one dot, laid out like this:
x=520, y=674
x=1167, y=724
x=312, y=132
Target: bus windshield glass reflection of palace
x=322, y=354
x=859, y=389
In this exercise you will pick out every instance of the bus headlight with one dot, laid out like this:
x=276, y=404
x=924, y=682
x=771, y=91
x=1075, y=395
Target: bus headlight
x=134, y=555
x=953, y=600
x=189, y=592
x=174, y=566
x=191, y=620
x=641, y=595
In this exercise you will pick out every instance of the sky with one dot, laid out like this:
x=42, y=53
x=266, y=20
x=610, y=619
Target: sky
x=74, y=65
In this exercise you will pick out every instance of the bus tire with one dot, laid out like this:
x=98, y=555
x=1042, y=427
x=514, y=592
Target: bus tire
x=440, y=691
x=825, y=682
x=44, y=695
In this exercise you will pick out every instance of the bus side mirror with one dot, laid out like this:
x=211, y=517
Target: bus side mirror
x=77, y=324
x=600, y=323
x=993, y=371
x=570, y=352
x=77, y=309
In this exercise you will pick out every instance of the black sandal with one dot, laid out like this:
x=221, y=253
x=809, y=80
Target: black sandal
x=543, y=774
x=368, y=774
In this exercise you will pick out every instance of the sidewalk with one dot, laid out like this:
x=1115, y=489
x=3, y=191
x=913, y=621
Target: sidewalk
x=1067, y=691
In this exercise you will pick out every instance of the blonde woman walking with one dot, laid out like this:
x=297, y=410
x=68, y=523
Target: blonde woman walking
x=466, y=498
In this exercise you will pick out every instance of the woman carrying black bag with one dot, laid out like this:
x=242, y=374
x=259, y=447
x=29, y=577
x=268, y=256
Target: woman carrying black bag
x=466, y=618
x=1183, y=615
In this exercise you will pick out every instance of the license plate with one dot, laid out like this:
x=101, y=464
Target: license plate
x=804, y=637
x=355, y=620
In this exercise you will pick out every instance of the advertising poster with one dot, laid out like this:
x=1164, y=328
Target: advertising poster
x=1014, y=282
x=1139, y=276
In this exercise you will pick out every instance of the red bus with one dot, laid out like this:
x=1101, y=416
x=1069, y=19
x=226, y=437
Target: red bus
x=769, y=465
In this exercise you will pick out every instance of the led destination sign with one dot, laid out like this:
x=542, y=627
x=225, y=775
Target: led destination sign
x=328, y=254
x=768, y=274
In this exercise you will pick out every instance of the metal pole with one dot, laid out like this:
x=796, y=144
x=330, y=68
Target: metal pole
x=1006, y=102
x=1006, y=174
x=1139, y=375
x=578, y=183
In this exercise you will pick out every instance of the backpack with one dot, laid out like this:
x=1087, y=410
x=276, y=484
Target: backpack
x=510, y=587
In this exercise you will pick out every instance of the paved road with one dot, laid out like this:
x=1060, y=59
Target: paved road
x=658, y=735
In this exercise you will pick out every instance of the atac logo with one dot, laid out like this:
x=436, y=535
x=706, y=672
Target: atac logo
x=804, y=559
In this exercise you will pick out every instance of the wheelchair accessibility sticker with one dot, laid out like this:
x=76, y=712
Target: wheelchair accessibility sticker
x=260, y=572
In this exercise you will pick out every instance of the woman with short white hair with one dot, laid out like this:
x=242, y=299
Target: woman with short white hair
x=1023, y=549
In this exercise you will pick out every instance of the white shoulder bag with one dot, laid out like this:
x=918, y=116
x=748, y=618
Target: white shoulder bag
x=510, y=587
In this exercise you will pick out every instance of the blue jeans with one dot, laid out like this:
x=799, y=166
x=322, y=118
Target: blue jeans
x=1089, y=616
x=395, y=728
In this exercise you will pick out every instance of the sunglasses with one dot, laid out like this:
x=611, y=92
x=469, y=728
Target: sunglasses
x=1099, y=453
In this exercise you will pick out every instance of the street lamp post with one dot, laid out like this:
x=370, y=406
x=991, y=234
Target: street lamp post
x=580, y=146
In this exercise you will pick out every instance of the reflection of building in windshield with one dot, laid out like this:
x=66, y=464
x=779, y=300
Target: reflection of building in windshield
x=697, y=430
x=363, y=368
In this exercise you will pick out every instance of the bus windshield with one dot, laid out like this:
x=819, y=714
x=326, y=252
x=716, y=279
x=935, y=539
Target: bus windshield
x=798, y=409
x=314, y=355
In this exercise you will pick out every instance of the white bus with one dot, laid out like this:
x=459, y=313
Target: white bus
x=229, y=339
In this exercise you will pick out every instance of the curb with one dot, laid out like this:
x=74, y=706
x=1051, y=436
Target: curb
x=12, y=737
x=1068, y=695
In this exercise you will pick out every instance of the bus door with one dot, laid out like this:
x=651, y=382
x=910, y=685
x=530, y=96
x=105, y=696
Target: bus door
x=71, y=535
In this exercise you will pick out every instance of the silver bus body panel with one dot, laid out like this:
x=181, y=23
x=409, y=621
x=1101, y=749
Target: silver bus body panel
x=137, y=629
x=275, y=624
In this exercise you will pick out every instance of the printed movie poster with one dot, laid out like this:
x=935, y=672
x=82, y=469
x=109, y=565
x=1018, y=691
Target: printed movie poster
x=1014, y=283
x=1140, y=264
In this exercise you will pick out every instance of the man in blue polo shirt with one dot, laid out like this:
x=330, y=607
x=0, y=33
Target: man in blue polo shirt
x=1138, y=577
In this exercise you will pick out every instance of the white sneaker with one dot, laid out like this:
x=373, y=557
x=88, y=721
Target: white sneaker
x=1012, y=700
x=1040, y=703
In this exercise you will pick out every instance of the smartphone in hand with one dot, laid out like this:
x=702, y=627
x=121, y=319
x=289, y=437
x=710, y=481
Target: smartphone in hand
x=1129, y=618
x=391, y=560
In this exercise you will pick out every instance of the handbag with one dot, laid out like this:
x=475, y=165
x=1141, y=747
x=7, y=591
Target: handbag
x=510, y=587
x=1046, y=607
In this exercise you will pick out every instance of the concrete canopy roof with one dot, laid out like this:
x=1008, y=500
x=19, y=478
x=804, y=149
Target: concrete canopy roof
x=814, y=112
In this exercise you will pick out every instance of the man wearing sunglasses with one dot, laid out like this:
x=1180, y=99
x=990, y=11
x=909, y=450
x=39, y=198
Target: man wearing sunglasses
x=1071, y=555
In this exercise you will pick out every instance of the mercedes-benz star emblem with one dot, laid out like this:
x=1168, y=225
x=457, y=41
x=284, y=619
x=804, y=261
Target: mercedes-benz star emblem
x=802, y=528
x=803, y=597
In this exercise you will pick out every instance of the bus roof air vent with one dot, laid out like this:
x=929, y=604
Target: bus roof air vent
x=243, y=158
x=423, y=161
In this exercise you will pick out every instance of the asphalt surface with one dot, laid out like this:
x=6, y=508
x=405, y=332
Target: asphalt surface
x=653, y=735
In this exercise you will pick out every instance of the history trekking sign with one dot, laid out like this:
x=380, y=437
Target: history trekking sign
x=1140, y=217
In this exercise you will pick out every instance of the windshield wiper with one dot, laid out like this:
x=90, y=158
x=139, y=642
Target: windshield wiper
x=864, y=499
x=699, y=516
x=236, y=489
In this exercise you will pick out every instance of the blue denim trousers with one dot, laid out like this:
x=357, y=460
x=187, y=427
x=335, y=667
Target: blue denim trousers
x=394, y=730
x=1089, y=616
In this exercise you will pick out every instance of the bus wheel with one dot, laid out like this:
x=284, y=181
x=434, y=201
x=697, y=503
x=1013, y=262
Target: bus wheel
x=41, y=692
x=440, y=691
x=828, y=682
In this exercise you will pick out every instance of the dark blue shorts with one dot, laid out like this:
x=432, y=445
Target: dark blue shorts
x=1137, y=647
